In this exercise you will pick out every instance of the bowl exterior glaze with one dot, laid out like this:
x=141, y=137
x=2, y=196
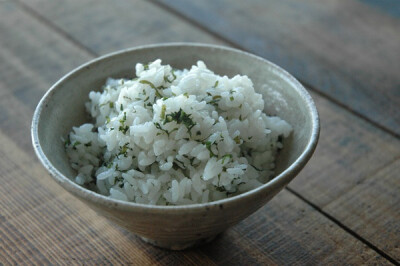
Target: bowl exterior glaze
x=176, y=227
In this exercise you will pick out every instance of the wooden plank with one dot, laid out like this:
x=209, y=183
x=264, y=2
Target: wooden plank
x=348, y=50
x=347, y=164
x=330, y=113
x=32, y=57
x=40, y=223
x=349, y=150
x=361, y=207
x=108, y=27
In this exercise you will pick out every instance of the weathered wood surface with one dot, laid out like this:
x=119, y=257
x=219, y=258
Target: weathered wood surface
x=348, y=50
x=336, y=166
x=351, y=181
x=41, y=223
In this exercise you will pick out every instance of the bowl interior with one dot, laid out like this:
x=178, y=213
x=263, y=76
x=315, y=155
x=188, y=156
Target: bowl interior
x=63, y=106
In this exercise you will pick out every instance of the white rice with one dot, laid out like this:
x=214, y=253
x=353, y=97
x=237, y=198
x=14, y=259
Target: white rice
x=173, y=137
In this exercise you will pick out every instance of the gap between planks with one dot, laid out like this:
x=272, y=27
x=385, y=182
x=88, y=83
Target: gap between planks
x=342, y=225
x=181, y=16
x=55, y=28
x=203, y=28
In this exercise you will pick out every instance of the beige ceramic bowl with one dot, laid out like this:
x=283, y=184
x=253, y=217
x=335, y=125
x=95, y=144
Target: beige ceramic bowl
x=175, y=227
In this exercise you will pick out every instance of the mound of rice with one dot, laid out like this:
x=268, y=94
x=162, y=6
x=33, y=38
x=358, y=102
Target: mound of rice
x=173, y=137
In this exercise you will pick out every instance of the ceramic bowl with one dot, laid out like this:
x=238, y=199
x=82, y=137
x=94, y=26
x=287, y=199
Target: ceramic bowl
x=176, y=227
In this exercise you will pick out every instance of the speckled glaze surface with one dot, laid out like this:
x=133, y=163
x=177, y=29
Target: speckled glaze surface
x=176, y=227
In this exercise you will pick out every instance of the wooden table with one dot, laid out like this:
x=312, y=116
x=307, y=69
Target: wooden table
x=344, y=207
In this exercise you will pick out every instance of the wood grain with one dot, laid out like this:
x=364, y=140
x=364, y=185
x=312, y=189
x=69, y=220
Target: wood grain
x=361, y=207
x=113, y=26
x=350, y=149
x=348, y=50
x=31, y=55
x=41, y=223
x=347, y=163
x=32, y=58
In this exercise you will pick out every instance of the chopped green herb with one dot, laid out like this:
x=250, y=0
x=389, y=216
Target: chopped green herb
x=180, y=117
x=214, y=102
x=231, y=98
x=121, y=107
x=216, y=84
x=237, y=139
x=186, y=95
x=124, y=150
x=118, y=179
x=146, y=67
x=123, y=119
x=163, y=109
x=123, y=129
x=226, y=156
x=110, y=104
x=108, y=120
x=158, y=126
x=126, y=97
x=258, y=169
x=166, y=79
x=143, y=81
x=220, y=189
x=76, y=143
x=88, y=144
x=67, y=142
x=208, y=146
x=173, y=74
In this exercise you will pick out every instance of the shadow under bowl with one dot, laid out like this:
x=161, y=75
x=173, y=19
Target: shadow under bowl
x=176, y=227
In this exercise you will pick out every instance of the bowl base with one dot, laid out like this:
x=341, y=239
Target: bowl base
x=178, y=245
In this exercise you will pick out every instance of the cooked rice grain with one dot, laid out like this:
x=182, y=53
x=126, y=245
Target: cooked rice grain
x=174, y=137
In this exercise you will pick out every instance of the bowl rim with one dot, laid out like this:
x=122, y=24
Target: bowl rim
x=281, y=180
